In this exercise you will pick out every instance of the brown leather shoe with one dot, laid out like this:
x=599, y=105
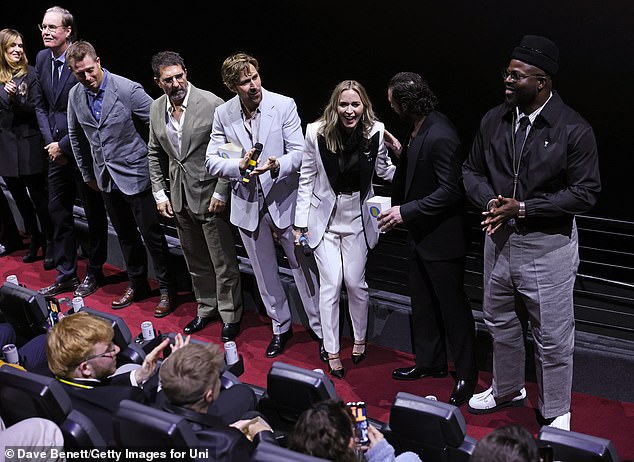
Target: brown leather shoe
x=126, y=299
x=164, y=306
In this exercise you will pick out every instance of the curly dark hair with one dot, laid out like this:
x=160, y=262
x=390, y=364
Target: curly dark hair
x=324, y=431
x=412, y=93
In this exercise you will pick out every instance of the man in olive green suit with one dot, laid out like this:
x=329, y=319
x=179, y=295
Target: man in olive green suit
x=180, y=125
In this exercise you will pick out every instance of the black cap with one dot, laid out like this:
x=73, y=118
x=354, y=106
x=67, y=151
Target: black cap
x=538, y=51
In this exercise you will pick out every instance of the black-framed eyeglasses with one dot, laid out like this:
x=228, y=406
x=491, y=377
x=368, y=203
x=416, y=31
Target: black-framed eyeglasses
x=169, y=80
x=109, y=352
x=517, y=76
x=49, y=27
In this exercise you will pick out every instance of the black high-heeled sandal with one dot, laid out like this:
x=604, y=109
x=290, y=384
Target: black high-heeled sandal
x=358, y=356
x=31, y=255
x=336, y=369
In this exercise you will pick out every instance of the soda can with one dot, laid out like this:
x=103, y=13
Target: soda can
x=231, y=353
x=10, y=353
x=147, y=330
x=13, y=279
x=78, y=304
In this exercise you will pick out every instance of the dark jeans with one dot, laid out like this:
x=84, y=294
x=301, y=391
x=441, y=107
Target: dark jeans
x=132, y=217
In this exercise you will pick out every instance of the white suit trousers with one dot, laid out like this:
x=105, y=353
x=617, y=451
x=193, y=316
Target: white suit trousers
x=341, y=257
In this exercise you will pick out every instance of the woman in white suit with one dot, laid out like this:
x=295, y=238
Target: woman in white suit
x=342, y=150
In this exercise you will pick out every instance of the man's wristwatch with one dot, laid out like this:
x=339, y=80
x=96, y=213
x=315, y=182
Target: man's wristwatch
x=522, y=211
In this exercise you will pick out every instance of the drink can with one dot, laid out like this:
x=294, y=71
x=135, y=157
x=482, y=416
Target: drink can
x=231, y=353
x=13, y=279
x=78, y=304
x=10, y=353
x=147, y=330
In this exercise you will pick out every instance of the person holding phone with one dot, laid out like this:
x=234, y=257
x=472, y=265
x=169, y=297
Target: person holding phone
x=342, y=151
x=328, y=431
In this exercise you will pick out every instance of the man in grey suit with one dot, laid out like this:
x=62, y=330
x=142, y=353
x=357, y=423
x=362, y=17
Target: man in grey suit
x=112, y=157
x=180, y=125
x=263, y=200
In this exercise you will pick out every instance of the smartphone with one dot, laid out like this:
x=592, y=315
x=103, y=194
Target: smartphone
x=359, y=412
x=546, y=454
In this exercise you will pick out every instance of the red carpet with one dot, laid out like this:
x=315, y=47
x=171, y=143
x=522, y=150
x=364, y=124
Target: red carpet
x=370, y=381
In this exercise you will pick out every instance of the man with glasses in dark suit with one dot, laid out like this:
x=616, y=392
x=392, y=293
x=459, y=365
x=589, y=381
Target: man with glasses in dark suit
x=64, y=179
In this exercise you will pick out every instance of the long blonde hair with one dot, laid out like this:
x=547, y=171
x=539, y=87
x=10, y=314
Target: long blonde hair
x=330, y=118
x=9, y=69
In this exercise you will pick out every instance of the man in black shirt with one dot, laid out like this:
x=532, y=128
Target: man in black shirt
x=533, y=166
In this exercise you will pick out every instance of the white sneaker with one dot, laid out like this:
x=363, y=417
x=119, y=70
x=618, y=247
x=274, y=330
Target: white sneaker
x=562, y=422
x=484, y=403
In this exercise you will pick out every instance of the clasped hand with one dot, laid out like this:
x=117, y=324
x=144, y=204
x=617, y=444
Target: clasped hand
x=500, y=210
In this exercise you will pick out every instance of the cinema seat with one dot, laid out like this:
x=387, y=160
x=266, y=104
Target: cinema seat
x=138, y=425
x=290, y=390
x=268, y=452
x=576, y=447
x=25, y=394
x=434, y=430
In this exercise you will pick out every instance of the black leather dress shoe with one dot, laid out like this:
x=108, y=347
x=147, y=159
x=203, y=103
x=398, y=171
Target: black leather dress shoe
x=462, y=391
x=49, y=262
x=88, y=286
x=31, y=255
x=415, y=372
x=196, y=324
x=277, y=344
x=230, y=331
x=59, y=287
x=323, y=354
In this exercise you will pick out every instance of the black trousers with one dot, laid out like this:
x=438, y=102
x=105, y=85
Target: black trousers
x=9, y=235
x=440, y=308
x=132, y=217
x=30, y=193
x=64, y=185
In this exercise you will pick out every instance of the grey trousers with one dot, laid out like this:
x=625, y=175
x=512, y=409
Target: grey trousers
x=538, y=271
x=209, y=250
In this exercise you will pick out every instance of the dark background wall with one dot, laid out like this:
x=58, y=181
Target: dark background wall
x=305, y=48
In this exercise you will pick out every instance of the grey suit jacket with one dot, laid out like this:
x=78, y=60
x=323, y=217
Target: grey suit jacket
x=280, y=132
x=185, y=169
x=316, y=198
x=118, y=149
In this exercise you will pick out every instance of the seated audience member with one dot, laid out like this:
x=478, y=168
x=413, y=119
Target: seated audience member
x=35, y=435
x=190, y=379
x=511, y=443
x=327, y=431
x=83, y=358
x=32, y=353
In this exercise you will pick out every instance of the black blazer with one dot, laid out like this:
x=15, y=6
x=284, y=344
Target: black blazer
x=101, y=399
x=428, y=187
x=51, y=107
x=21, y=146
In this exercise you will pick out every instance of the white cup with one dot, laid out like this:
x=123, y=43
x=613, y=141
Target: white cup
x=78, y=304
x=13, y=279
x=10, y=352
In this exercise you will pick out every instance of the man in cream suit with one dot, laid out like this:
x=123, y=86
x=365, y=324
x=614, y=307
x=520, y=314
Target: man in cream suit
x=180, y=125
x=263, y=208
x=111, y=154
